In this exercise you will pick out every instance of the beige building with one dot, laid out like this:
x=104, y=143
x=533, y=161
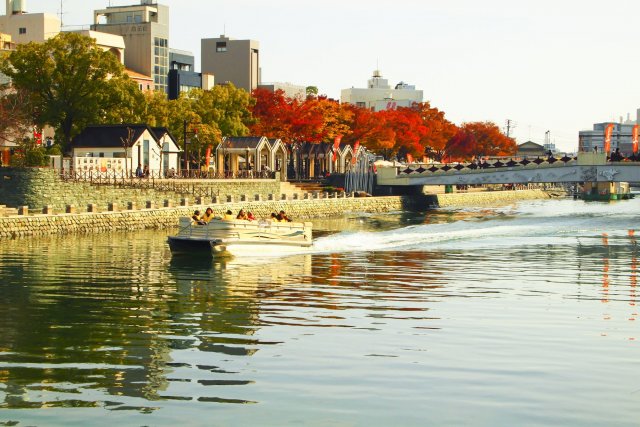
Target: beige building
x=26, y=27
x=5, y=45
x=111, y=42
x=378, y=95
x=144, y=83
x=232, y=61
x=145, y=30
x=290, y=90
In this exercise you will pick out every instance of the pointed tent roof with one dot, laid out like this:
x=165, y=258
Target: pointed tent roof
x=243, y=143
x=277, y=143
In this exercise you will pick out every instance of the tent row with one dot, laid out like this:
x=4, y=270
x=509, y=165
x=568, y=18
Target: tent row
x=122, y=148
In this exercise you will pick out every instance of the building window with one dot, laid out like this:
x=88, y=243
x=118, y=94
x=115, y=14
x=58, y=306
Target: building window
x=361, y=104
x=22, y=30
x=140, y=84
x=221, y=46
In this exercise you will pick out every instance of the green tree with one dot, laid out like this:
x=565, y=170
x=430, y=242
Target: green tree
x=71, y=83
x=226, y=106
x=312, y=91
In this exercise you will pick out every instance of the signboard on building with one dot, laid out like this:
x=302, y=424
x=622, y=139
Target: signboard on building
x=100, y=166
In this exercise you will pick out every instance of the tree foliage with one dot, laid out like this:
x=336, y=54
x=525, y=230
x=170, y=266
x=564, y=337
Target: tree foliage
x=68, y=82
x=479, y=139
x=71, y=83
x=16, y=122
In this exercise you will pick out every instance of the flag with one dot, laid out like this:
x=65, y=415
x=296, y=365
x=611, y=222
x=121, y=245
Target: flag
x=635, y=139
x=37, y=135
x=356, y=147
x=607, y=137
x=336, y=147
x=208, y=156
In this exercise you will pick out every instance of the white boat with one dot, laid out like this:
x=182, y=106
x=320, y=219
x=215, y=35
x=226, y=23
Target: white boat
x=222, y=237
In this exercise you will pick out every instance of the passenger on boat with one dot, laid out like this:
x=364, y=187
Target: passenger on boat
x=241, y=214
x=273, y=217
x=196, y=218
x=228, y=215
x=250, y=216
x=208, y=215
x=282, y=217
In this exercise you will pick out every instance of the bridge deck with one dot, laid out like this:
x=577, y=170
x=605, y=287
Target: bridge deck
x=588, y=168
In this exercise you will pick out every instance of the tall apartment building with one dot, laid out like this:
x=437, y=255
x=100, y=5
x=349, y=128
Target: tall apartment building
x=145, y=29
x=26, y=27
x=378, y=95
x=233, y=61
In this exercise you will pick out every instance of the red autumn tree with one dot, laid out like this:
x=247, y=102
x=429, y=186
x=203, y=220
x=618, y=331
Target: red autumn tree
x=273, y=112
x=461, y=147
x=439, y=130
x=477, y=139
x=314, y=119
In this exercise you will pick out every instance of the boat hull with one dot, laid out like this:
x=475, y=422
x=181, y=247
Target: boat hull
x=221, y=238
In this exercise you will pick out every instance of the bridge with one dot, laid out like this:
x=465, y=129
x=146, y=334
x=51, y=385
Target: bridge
x=587, y=167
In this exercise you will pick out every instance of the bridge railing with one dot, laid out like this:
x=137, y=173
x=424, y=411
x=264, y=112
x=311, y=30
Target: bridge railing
x=434, y=168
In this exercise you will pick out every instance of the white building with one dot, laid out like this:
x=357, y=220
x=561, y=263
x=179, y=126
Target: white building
x=378, y=95
x=109, y=149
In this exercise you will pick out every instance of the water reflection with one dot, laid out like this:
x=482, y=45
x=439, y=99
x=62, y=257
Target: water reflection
x=114, y=322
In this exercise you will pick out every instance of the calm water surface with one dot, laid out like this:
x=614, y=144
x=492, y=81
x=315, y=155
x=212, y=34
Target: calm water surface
x=519, y=315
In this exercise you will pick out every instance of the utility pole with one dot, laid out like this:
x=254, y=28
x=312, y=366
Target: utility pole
x=510, y=125
x=61, y=15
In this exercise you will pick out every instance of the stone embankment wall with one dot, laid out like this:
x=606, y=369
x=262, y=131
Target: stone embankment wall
x=492, y=198
x=160, y=218
x=38, y=187
x=42, y=224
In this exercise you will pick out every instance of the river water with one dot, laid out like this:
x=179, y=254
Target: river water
x=518, y=315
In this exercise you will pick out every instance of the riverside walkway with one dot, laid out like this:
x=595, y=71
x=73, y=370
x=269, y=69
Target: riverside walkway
x=587, y=167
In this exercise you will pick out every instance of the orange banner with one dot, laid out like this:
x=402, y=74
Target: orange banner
x=635, y=139
x=356, y=147
x=208, y=157
x=336, y=147
x=607, y=137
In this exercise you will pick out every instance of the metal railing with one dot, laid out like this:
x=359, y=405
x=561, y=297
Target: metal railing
x=188, y=183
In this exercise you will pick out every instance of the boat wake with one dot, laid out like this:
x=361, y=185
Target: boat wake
x=535, y=223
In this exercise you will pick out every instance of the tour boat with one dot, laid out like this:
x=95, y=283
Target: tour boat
x=222, y=237
x=605, y=191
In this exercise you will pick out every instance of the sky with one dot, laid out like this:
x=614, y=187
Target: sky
x=556, y=66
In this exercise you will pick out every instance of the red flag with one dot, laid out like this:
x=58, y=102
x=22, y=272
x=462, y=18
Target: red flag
x=356, y=147
x=607, y=137
x=336, y=147
x=635, y=139
x=37, y=135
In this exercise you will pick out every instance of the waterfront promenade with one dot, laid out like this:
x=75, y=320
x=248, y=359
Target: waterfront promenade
x=152, y=217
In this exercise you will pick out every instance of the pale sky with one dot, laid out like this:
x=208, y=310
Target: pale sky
x=546, y=65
